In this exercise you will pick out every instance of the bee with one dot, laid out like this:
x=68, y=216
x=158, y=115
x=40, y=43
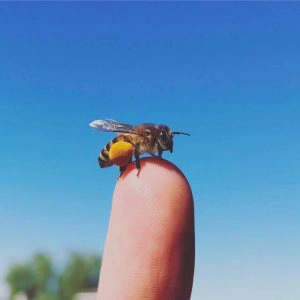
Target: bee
x=145, y=138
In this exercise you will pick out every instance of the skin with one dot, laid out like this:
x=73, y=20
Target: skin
x=150, y=246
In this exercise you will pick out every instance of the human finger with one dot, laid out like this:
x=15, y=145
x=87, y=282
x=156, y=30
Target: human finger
x=149, y=250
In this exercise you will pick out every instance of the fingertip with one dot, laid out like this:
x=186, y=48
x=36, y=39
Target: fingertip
x=159, y=188
x=159, y=174
x=152, y=229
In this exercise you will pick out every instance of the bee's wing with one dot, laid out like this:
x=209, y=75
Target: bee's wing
x=113, y=126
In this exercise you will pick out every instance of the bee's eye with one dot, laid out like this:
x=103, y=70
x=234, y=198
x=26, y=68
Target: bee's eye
x=147, y=133
x=163, y=136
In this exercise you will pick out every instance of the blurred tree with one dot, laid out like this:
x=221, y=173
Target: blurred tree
x=37, y=280
x=32, y=278
x=93, y=265
x=42, y=269
x=21, y=279
x=45, y=296
x=81, y=273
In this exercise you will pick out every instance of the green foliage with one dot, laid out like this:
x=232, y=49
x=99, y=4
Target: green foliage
x=37, y=280
x=80, y=274
x=21, y=279
x=42, y=268
x=45, y=296
x=32, y=278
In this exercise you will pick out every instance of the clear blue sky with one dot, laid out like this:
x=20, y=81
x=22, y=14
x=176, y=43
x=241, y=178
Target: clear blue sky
x=228, y=73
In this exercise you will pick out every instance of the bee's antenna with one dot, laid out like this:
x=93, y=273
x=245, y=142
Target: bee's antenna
x=178, y=132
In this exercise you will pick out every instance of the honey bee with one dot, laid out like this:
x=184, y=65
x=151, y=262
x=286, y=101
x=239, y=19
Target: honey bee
x=145, y=138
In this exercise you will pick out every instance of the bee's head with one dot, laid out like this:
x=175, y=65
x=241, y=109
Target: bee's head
x=165, y=138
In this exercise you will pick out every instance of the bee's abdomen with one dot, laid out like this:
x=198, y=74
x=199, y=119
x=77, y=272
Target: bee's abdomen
x=103, y=158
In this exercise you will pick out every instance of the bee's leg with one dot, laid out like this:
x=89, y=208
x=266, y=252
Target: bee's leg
x=160, y=151
x=137, y=159
x=122, y=169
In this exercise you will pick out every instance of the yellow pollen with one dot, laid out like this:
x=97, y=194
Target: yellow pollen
x=120, y=153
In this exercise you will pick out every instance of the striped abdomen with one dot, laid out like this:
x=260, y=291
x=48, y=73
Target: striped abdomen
x=103, y=158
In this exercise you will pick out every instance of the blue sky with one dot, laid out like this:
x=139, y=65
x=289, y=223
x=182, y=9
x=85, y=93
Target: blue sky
x=228, y=73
